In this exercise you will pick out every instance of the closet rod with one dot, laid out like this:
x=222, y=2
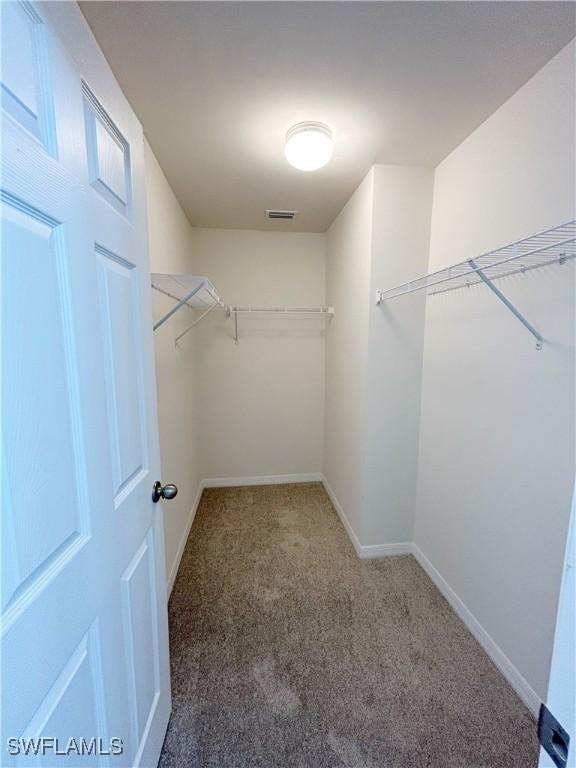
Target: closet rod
x=329, y=311
x=287, y=310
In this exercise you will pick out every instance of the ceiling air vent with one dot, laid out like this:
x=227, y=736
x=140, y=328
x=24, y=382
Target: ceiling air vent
x=281, y=214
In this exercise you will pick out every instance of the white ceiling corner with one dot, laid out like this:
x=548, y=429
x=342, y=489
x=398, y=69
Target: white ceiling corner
x=216, y=86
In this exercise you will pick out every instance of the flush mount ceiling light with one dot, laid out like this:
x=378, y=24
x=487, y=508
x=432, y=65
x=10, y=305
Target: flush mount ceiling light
x=309, y=146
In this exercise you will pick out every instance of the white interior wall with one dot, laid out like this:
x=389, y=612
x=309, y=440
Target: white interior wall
x=171, y=244
x=349, y=243
x=496, y=462
x=496, y=437
x=262, y=408
x=400, y=242
x=374, y=357
x=228, y=413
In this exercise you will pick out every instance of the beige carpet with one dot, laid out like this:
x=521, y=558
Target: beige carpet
x=289, y=652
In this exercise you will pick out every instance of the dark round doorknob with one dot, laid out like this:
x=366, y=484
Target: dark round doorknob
x=160, y=491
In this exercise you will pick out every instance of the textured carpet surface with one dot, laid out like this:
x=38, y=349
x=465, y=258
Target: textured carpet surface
x=289, y=652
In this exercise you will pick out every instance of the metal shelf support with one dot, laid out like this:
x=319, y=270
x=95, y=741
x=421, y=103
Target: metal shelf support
x=198, y=319
x=552, y=246
x=508, y=304
x=181, y=303
x=193, y=291
x=197, y=292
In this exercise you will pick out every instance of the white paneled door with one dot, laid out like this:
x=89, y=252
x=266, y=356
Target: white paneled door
x=84, y=644
x=561, y=700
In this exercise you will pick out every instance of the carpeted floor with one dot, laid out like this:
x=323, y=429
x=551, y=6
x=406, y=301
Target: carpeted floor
x=289, y=652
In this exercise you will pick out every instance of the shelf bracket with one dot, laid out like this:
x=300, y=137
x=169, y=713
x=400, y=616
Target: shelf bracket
x=195, y=323
x=507, y=303
x=180, y=304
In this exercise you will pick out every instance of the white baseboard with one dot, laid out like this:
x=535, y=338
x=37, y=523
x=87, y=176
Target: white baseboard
x=385, y=550
x=364, y=551
x=343, y=519
x=230, y=482
x=183, y=540
x=514, y=677
x=502, y=662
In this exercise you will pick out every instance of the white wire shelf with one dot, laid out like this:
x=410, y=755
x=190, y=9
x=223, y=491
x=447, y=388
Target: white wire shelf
x=287, y=310
x=553, y=246
x=548, y=247
x=194, y=291
x=197, y=292
x=235, y=311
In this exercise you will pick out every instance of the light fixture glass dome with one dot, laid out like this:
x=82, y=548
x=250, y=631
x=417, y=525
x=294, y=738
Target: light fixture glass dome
x=309, y=146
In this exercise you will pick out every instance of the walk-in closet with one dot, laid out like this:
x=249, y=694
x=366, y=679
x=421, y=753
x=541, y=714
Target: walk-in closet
x=289, y=385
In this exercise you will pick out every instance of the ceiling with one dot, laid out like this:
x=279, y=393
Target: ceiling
x=216, y=85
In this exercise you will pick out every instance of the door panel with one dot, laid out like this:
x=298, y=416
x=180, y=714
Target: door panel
x=42, y=434
x=119, y=296
x=76, y=700
x=83, y=625
x=561, y=699
x=141, y=636
x=26, y=92
x=108, y=154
